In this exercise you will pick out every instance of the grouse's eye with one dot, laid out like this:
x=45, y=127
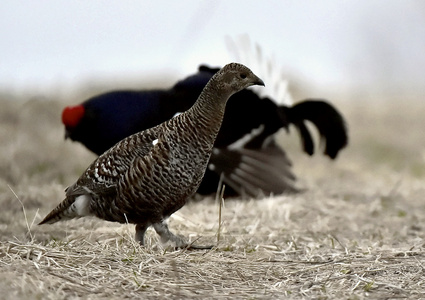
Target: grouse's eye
x=243, y=76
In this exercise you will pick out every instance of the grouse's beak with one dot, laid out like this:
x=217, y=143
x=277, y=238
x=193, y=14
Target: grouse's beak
x=258, y=81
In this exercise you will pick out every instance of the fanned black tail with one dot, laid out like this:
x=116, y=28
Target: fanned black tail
x=328, y=121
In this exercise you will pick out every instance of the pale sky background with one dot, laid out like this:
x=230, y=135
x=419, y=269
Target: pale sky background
x=374, y=46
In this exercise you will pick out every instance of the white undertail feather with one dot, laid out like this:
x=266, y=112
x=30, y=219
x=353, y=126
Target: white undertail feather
x=243, y=50
x=81, y=205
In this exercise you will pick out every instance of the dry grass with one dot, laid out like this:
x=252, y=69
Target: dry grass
x=356, y=232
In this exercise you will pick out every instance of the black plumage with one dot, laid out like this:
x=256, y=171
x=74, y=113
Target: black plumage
x=103, y=120
x=149, y=175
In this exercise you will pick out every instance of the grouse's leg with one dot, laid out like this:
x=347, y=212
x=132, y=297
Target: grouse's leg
x=140, y=233
x=166, y=235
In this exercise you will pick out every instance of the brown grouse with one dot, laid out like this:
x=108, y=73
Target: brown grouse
x=149, y=175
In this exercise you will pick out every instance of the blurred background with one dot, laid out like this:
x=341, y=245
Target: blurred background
x=367, y=58
x=340, y=50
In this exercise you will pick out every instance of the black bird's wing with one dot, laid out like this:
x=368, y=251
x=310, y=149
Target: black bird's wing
x=256, y=172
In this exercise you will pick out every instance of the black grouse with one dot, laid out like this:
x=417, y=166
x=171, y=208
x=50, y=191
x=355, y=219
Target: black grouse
x=149, y=175
x=257, y=165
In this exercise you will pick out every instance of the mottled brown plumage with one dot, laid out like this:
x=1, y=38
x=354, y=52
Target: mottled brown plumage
x=149, y=175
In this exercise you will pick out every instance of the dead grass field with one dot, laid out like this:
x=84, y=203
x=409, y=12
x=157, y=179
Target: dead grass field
x=356, y=232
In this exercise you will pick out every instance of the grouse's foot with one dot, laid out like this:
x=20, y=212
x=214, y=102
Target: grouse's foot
x=166, y=235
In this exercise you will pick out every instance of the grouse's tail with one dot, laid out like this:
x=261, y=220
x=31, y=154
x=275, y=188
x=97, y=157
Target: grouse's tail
x=254, y=173
x=328, y=121
x=55, y=215
x=71, y=207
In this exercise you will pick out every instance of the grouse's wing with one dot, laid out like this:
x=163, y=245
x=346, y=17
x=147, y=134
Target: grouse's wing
x=102, y=176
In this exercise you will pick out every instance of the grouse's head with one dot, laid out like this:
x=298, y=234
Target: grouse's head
x=235, y=77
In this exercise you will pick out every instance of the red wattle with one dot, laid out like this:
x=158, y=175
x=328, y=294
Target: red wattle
x=72, y=115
